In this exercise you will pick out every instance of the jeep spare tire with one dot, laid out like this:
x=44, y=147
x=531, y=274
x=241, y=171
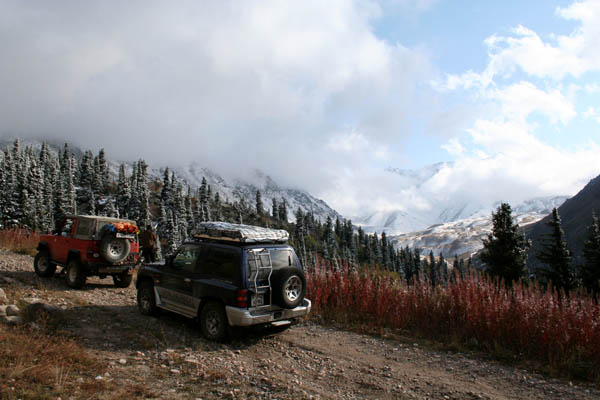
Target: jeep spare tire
x=289, y=287
x=114, y=249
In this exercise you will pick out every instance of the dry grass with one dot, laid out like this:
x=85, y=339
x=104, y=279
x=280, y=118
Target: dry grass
x=19, y=240
x=34, y=365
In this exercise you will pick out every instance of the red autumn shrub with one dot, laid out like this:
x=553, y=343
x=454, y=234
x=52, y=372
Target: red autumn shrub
x=530, y=322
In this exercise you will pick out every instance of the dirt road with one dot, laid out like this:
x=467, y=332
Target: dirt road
x=165, y=357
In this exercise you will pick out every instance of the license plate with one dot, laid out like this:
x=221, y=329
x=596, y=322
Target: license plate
x=124, y=235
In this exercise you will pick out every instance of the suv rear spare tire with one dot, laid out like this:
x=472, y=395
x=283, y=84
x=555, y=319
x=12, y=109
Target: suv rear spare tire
x=289, y=287
x=113, y=249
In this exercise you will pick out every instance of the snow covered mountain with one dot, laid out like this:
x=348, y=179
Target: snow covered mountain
x=237, y=189
x=464, y=237
x=230, y=190
x=425, y=199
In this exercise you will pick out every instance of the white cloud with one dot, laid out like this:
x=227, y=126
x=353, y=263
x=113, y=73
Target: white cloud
x=259, y=84
x=521, y=99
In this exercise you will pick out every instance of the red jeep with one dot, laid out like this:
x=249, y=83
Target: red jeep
x=88, y=245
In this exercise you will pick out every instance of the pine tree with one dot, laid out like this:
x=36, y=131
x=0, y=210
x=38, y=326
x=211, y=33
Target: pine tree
x=432, y=270
x=589, y=272
x=505, y=249
x=123, y=193
x=557, y=256
x=275, y=208
x=259, y=204
x=282, y=211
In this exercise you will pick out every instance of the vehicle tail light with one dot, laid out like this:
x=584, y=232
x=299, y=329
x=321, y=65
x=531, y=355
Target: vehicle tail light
x=241, y=298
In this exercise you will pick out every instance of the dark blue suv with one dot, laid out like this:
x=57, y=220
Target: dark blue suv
x=225, y=279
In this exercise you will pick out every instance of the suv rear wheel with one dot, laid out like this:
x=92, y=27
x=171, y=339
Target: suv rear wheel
x=42, y=265
x=75, y=274
x=213, y=321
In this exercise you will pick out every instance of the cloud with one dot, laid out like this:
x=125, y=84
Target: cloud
x=257, y=84
x=529, y=89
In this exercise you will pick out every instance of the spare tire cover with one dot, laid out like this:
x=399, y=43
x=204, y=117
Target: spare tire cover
x=113, y=249
x=288, y=287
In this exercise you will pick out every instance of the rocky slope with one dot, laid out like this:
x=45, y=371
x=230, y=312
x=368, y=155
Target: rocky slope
x=464, y=237
x=576, y=216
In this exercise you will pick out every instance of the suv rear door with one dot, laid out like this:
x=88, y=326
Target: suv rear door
x=220, y=272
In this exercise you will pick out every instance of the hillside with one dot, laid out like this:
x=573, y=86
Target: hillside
x=233, y=190
x=576, y=216
x=464, y=237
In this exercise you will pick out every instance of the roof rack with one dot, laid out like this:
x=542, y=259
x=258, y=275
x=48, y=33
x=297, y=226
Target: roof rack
x=225, y=231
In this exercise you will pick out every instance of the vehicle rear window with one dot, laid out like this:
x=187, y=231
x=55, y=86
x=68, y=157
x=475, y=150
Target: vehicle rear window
x=279, y=258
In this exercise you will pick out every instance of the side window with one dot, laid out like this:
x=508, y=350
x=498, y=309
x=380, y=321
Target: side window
x=186, y=258
x=221, y=263
x=67, y=227
x=84, y=227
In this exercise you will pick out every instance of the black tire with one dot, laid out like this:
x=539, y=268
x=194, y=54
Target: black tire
x=122, y=280
x=146, y=300
x=289, y=287
x=42, y=265
x=75, y=274
x=113, y=249
x=213, y=322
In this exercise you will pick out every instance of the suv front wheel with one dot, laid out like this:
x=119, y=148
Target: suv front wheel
x=75, y=274
x=213, y=321
x=146, y=299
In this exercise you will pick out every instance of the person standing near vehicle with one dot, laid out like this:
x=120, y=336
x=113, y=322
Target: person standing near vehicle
x=148, y=241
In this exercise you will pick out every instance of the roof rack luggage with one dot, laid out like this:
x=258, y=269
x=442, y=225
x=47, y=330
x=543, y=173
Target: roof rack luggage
x=225, y=231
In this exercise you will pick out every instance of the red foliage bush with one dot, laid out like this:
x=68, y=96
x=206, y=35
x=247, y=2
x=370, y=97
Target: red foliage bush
x=526, y=320
x=19, y=240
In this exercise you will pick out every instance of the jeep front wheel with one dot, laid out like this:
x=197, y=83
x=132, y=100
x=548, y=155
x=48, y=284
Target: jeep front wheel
x=122, y=280
x=75, y=274
x=146, y=300
x=213, y=321
x=42, y=265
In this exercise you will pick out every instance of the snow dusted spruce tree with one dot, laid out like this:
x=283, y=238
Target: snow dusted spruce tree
x=505, y=249
x=556, y=256
x=589, y=272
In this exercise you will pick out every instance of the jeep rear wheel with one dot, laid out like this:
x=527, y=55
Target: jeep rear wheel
x=213, y=321
x=122, y=280
x=42, y=265
x=75, y=274
x=113, y=249
x=146, y=300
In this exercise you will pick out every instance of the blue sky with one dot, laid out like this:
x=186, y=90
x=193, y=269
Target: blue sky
x=320, y=95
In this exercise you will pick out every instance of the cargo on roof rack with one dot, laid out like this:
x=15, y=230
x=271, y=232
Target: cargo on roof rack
x=240, y=233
